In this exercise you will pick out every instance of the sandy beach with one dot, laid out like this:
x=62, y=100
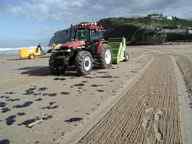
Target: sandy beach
x=66, y=107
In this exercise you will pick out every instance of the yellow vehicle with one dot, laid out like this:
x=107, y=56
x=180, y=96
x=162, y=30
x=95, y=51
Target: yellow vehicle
x=26, y=53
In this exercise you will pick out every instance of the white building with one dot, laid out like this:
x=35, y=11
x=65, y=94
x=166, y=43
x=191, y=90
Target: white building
x=169, y=17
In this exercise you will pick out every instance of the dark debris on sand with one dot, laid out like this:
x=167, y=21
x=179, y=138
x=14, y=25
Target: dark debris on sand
x=5, y=109
x=52, y=94
x=105, y=76
x=100, y=90
x=30, y=122
x=30, y=91
x=42, y=89
x=96, y=85
x=21, y=113
x=25, y=104
x=36, y=94
x=10, y=93
x=13, y=99
x=74, y=119
x=4, y=140
x=38, y=99
x=79, y=84
x=61, y=79
x=4, y=97
x=45, y=94
x=11, y=120
x=51, y=106
x=65, y=93
x=2, y=104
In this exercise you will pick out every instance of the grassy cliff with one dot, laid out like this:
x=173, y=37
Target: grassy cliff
x=150, y=20
x=147, y=29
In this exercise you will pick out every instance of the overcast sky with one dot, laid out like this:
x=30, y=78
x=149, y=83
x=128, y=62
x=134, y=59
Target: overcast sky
x=39, y=19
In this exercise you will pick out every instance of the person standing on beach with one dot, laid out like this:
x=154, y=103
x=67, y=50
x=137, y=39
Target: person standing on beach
x=40, y=48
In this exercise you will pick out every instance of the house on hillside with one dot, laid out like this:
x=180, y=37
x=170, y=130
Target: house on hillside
x=155, y=16
x=169, y=17
x=189, y=30
x=178, y=31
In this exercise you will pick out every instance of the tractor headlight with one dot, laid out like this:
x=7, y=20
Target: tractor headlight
x=68, y=50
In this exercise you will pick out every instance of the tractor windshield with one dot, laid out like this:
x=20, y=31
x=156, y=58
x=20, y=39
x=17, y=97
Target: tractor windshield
x=82, y=34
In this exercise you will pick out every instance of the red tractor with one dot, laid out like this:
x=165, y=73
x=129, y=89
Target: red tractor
x=86, y=49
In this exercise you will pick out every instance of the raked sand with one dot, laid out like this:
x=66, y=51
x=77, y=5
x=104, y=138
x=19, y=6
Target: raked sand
x=64, y=107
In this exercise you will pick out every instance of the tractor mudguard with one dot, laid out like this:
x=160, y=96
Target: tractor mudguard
x=99, y=46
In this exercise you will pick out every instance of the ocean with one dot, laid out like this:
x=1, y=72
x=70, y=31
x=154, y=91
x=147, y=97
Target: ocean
x=16, y=50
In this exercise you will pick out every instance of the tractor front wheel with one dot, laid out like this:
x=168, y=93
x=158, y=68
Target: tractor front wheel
x=84, y=62
x=55, y=69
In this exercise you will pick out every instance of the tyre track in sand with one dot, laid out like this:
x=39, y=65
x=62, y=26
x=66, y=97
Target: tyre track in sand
x=147, y=114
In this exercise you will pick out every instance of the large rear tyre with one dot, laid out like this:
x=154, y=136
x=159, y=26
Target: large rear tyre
x=105, y=58
x=84, y=62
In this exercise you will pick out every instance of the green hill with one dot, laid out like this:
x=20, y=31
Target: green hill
x=154, y=28
x=148, y=21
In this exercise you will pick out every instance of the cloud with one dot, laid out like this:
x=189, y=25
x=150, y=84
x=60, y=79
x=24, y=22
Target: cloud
x=82, y=10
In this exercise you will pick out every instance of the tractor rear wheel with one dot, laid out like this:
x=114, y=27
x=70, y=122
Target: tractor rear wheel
x=84, y=62
x=105, y=58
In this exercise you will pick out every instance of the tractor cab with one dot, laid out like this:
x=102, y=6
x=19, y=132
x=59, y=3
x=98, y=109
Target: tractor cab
x=88, y=32
x=83, y=35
